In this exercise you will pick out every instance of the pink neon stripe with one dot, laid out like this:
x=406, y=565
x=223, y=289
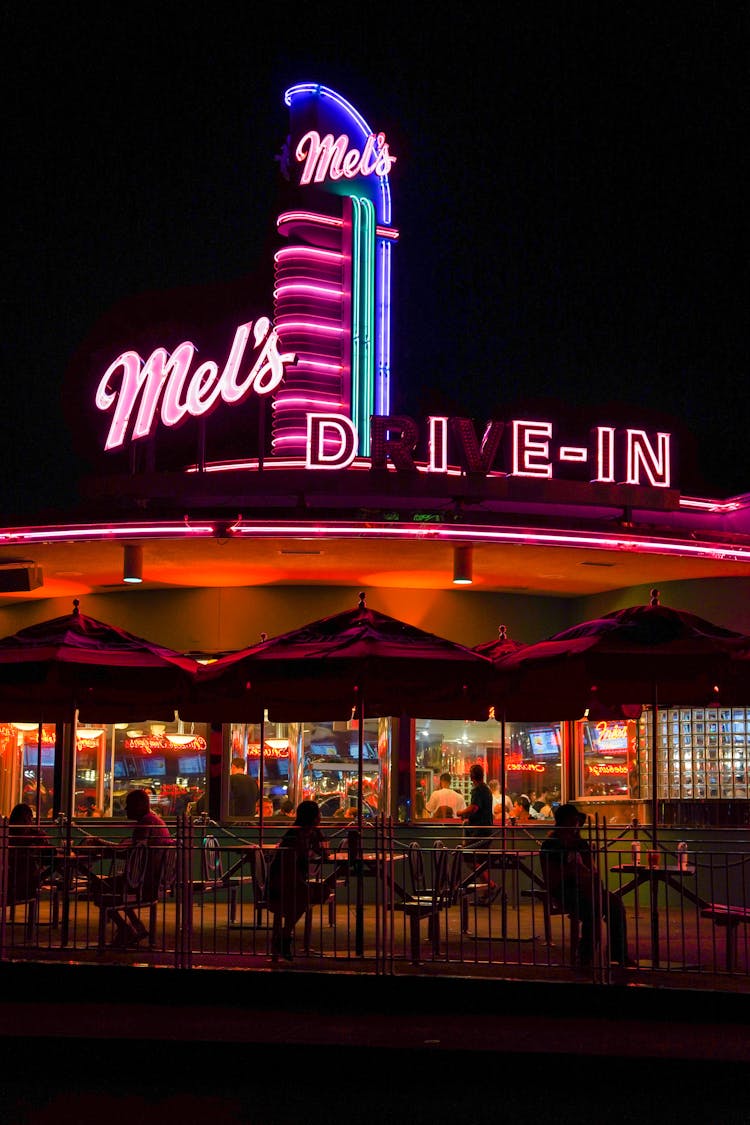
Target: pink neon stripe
x=305, y=287
x=327, y=221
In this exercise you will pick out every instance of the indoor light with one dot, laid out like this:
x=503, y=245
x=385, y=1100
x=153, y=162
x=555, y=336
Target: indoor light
x=132, y=569
x=463, y=558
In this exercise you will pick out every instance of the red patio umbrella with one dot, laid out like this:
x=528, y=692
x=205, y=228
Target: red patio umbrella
x=359, y=662
x=75, y=666
x=642, y=654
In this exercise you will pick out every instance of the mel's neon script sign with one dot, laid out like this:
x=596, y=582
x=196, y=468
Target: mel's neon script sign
x=164, y=388
x=325, y=158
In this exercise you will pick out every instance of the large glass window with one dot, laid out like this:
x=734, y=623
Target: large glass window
x=533, y=763
x=27, y=764
x=319, y=761
x=610, y=759
x=165, y=759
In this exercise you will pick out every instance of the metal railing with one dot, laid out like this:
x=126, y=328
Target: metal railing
x=383, y=903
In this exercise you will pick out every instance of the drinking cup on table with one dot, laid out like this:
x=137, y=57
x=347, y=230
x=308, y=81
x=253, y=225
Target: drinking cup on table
x=654, y=859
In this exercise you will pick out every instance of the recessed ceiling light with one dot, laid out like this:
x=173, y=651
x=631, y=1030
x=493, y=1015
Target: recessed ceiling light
x=597, y=564
x=285, y=552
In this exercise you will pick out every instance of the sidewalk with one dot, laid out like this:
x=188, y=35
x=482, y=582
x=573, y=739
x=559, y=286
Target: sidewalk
x=240, y=1039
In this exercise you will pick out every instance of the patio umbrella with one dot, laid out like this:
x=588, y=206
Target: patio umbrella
x=75, y=666
x=643, y=654
x=359, y=660
x=357, y=663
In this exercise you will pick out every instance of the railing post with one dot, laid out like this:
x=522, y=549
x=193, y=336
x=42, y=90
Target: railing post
x=3, y=882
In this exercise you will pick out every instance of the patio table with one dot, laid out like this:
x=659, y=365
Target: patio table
x=668, y=876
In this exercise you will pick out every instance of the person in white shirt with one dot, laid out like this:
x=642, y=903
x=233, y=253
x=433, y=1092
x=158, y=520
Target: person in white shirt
x=445, y=799
x=497, y=802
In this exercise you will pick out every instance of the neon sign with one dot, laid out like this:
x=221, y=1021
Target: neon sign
x=530, y=450
x=322, y=157
x=608, y=771
x=524, y=767
x=164, y=384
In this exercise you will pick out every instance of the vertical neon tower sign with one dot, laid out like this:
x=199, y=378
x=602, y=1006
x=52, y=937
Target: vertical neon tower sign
x=332, y=298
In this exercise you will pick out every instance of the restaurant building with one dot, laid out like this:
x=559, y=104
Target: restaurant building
x=249, y=475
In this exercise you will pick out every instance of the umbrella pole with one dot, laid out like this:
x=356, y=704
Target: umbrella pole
x=502, y=776
x=39, y=774
x=261, y=775
x=68, y=861
x=654, y=768
x=359, y=926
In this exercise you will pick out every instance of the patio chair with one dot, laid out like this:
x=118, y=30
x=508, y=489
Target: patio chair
x=145, y=880
x=417, y=872
x=428, y=904
x=215, y=880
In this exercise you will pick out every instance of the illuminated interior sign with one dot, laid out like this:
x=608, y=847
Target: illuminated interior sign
x=608, y=769
x=276, y=749
x=525, y=767
x=612, y=737
x=148, y=743
x=527, y=447
x=164, y=386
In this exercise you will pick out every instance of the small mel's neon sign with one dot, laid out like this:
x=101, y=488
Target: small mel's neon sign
x=323, y=158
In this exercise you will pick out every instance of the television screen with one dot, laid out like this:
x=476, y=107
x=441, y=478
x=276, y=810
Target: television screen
x=192, y=764
x=30, y=756
x=120, y=773
x=152, y=767
x=545, y=741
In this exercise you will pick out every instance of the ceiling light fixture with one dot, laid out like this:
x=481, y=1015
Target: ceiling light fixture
x=463, y=566
x=132, y=568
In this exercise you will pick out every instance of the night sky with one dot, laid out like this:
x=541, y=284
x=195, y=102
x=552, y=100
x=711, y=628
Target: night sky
x=567, y=189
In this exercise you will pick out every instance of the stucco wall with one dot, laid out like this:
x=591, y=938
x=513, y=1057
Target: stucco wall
x=218, y=620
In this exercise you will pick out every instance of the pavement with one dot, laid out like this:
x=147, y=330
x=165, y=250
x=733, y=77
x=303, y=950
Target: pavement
x=111, y=1043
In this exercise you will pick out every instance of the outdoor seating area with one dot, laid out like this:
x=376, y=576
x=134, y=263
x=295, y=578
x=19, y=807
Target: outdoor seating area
x=394, y=907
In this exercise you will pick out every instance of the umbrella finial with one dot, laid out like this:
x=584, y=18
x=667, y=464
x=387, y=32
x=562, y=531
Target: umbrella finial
x=361, y=600
x=502, y=632
x=76, y=607
x=654, y=597
x=264, y=636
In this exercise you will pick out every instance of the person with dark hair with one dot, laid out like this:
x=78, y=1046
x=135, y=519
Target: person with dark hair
x=478, y=814
x=25, y=856
x=243, y=790
x=572, y=880
x=444, y=801
x=292, y=883
x=151, y=832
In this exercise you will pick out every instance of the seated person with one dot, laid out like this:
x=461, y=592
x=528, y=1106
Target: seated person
x=26, y=859
x=572, y=879
x=294, y=882
x=445, y=798
x=521, y=810
x=151, y=831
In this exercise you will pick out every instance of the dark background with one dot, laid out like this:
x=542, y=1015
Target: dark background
x=573, y=240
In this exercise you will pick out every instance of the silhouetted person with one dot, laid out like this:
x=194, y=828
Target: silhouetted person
x=572, y=880
x=243, y=790
x=478, y=814
x=293, y=885
x=26, y=855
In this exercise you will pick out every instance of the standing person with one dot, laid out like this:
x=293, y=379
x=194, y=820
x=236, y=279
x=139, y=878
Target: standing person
x=478, y=814
x=243, y=790
x=292, y=886
x=572, y=880
x=445, y=798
